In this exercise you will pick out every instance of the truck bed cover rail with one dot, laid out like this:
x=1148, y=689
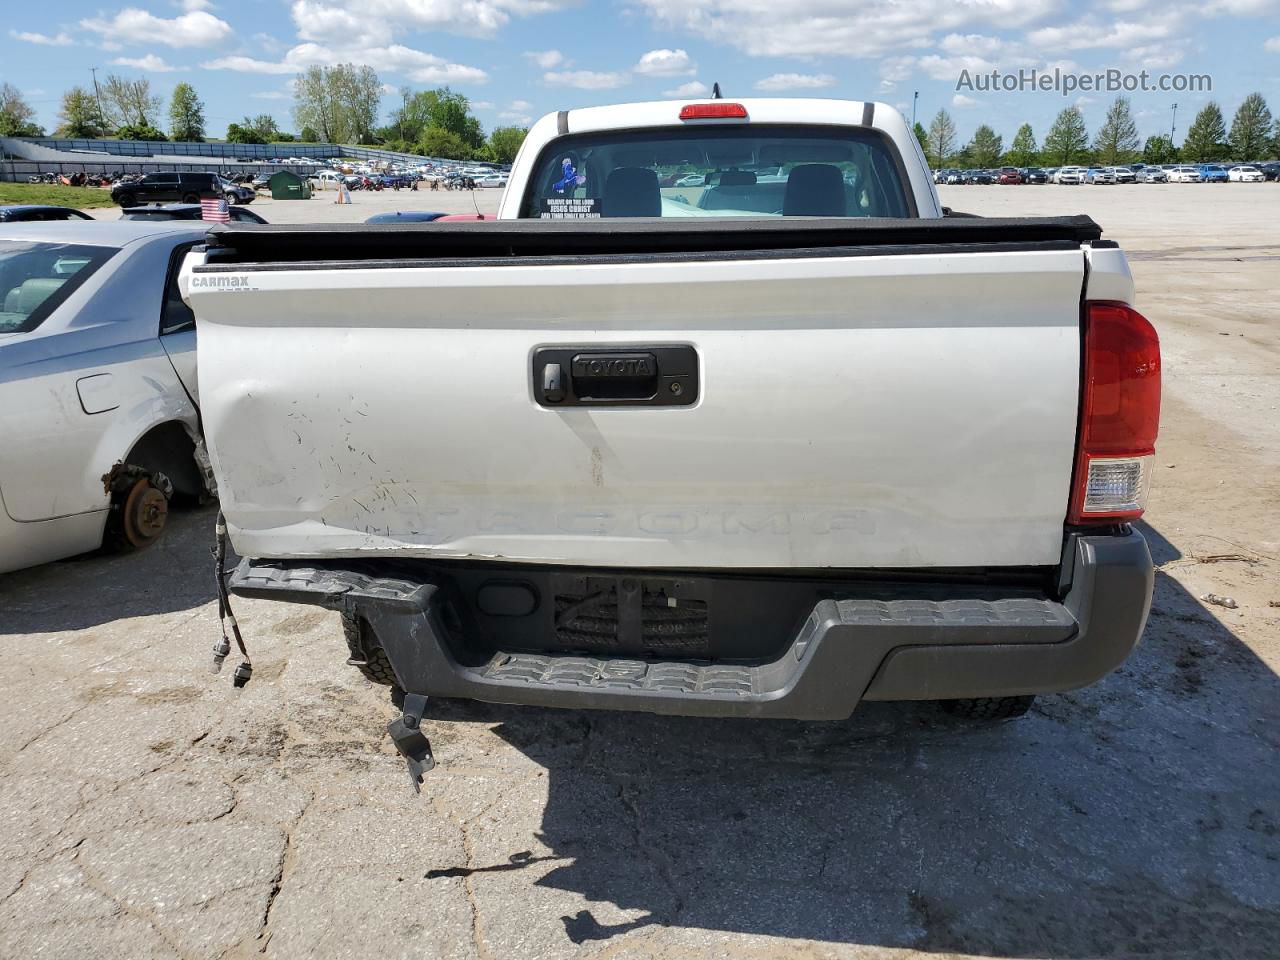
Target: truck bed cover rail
x=320, y=246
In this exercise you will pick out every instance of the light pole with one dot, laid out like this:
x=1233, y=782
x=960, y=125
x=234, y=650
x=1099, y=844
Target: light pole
x=1173, y=125
x=914, y=97
x=97, y=95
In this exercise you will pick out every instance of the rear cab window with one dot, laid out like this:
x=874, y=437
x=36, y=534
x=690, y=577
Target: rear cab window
x=36, y=277
x=753, y=170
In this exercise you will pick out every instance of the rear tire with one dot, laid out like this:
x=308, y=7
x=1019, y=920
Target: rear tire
x=988, y=708
x=191, y=198
x=367, y=654
x=128, y=200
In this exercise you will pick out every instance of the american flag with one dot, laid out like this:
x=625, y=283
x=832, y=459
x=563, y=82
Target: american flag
x=215, y=210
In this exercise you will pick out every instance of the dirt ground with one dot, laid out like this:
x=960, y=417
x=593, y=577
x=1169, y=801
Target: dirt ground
x=147, y=810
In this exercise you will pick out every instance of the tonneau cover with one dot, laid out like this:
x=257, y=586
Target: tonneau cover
x=239, y=243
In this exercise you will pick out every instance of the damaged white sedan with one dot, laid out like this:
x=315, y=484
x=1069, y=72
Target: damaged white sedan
x=99, y=428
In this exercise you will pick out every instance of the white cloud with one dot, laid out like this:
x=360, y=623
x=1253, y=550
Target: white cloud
x=151, y=63
x=339, y=26
x=694, y=88
x=894, y=70
x=1273, y=45
x=473, y=17
x=131, y=25
x=665, y=63
x=417, y=65
x=949, y=68
x=795, y=81
x=250, y=65
x=586, y=79
x=194, y=4
x=546, y=59
x=57, y=40
x=843, y=28
x=267, y=42
x=971, y=44
x=271, y=95
x=1120, y=35
x=518, y=112
x=481, y=105
x=961, y=101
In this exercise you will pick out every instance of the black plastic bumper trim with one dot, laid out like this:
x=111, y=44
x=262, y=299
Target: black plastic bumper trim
x=847, y=650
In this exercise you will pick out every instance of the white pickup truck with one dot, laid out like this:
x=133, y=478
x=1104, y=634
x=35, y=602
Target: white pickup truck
x=725, y=415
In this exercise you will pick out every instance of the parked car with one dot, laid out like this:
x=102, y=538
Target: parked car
x=1153, y=175
x=1122, y=175
x=1011, y=175
x=1184, y=175
x=1244, y=173
x=1270, y=171
x=97, y=380
x=977, y=177
x=175, y=187
x=691, y=180
x=184, y=211
x=1213, y=173
x=677, y=539
x=28, y=213
x=1034, y=175
x=955, y=177
x=405, y=216
x=1070, y=175
x=1100, y=175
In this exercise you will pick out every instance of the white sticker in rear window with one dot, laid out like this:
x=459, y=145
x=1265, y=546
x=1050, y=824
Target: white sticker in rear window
x=568, y=208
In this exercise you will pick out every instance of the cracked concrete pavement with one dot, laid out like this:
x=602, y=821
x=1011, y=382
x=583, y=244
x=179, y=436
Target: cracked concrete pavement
x=148, y=810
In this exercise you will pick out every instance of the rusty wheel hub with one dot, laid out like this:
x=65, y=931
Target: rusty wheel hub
x=144, y=513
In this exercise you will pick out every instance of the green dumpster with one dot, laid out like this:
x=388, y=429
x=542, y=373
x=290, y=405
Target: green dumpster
x=286, y=185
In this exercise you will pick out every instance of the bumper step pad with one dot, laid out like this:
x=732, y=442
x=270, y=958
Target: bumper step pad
x=609, y=673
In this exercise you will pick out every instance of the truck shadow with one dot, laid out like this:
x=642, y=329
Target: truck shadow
x=1138, y=816
x=96, y=588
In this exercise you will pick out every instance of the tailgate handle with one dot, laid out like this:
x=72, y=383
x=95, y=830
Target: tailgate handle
x=614, y=376
x=595, y=376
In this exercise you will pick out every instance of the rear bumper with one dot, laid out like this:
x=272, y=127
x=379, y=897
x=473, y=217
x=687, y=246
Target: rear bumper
x=846, y=651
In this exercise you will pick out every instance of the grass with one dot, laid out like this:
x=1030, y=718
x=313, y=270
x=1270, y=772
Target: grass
x=82, y=198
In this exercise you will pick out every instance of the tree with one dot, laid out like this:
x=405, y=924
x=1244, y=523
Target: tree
x=438, y=142
x=942, y=137
x=130, y=102
x=16, y=115
x=140, y=131
x=259, y=129
x=78, y=117
x=1117, y=138
x=1022, y=151
x=1250, y=129
x=440, y=108
x=340, y=102
x=1207, y=135
x=1158, y=150
x=239, y=133
x=1067, y=138
x=186, y=114
x=922, y=138
x=308, y=135
x=985, y=146
x=504, y=142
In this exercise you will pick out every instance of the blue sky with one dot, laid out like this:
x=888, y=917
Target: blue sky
x=518, y=59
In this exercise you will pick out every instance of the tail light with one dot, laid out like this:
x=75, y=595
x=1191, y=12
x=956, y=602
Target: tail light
x=713, y=111
x=1119, y=415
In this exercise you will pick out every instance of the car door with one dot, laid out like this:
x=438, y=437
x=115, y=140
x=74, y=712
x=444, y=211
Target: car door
x=159, y=188
x=178, y=326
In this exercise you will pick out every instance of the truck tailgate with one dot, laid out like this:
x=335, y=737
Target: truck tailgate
x=900, y=408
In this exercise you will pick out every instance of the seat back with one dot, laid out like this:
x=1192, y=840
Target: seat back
x=631, y=192
x=815, y=190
